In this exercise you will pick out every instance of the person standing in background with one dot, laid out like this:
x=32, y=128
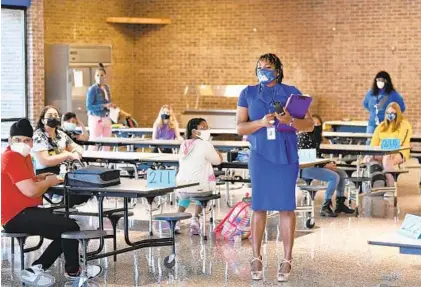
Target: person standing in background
x=273, y=163
x=98, y=104
x=381, y=94
x=165, y=127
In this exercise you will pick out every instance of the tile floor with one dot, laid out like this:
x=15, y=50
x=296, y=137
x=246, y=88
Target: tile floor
x=334, y=253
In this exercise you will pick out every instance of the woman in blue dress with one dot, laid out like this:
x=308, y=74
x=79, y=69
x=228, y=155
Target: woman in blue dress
x=273, y=161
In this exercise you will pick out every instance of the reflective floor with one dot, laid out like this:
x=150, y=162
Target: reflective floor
x=334, y=253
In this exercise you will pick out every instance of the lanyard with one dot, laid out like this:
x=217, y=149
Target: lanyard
x=272, y=104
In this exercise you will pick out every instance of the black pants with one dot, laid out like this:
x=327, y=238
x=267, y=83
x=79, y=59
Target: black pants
x=42, y=222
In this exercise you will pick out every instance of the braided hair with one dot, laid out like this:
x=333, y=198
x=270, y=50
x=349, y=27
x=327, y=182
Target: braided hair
x=192, y=125
x=274, y=60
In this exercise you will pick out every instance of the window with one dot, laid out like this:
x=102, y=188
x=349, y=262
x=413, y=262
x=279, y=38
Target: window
x=13, y=68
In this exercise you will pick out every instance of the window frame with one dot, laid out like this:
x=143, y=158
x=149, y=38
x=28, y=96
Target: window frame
x=25, y=47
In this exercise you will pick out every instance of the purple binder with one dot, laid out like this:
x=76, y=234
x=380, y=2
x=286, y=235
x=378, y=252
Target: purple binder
x=297, y=106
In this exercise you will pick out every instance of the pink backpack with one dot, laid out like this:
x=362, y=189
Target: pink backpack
x=236, y=222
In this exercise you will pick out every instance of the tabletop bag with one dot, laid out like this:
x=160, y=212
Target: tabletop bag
x=93, y=176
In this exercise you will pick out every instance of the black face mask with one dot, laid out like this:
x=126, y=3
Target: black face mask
x=165, y=117
x=53, y=122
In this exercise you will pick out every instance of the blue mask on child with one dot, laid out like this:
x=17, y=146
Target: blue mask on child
x=266, y=76
x=391, y=116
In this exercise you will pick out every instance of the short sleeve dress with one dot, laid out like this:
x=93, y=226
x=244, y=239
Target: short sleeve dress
x=273, y=164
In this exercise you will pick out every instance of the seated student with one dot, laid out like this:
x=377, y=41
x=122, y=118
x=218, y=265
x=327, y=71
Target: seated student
x=393, y=126
x=53, y=147
x=69, y=124
x=165, y=127
x=21, y=193
x=197, y=157
x=328, y=172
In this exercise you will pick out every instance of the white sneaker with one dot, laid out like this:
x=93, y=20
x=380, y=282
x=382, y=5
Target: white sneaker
x=36, y=276
x=92, y=272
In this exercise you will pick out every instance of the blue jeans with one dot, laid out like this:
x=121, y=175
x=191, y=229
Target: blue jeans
x=335, y=179
x=370, y=130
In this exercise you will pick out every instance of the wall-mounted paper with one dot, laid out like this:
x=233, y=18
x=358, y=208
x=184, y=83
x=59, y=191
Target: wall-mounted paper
x=78, y=77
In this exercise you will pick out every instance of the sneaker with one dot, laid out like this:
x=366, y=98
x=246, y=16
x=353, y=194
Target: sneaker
x=195, y=226
x=92, y=272
x=36, y=276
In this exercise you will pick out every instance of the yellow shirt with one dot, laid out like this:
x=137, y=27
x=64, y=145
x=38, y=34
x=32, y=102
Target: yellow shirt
x=403, y=133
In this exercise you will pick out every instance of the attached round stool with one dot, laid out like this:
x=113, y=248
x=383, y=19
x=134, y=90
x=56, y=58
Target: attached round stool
x=311, y=191
x=204, y=200
x=114, y=219
x=172, y=219
x=83, y=237
x=21, y=238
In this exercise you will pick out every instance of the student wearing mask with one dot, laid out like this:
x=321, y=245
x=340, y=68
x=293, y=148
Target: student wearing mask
x=165, y=127
x=52, y=147
x=334, y=176
x=393, y=126
x=69, y=124
x=21, y=193
x=98, y=104
x=197, y=157
x=379, y=97
x=273, y=163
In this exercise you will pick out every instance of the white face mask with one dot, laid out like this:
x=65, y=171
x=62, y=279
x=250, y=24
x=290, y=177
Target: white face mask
x=205, y=135
x=380, y=85
x=69, y=126
x=22, y=148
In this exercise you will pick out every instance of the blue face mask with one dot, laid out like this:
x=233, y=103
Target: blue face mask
x=266, y=76
x=391, y=116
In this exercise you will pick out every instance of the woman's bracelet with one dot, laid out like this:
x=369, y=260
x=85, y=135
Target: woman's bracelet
x=291, y=122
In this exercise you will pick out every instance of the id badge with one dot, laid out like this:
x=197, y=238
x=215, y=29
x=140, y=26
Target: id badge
x=271, y=133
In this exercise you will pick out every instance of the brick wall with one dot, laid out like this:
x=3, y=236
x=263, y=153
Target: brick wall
x=330, y=49
x=83, y=22
x=35, y=58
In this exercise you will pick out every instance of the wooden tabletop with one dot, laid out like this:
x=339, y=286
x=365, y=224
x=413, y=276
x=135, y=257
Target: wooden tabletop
x=346, y=135
x=357, y=149
x=115, y=141
x=149, y=130
x=347, y=123
x=395, y=240
x=132, y=188
x=162, y=157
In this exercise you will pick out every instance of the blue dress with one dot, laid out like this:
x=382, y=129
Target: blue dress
x=273, y=164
